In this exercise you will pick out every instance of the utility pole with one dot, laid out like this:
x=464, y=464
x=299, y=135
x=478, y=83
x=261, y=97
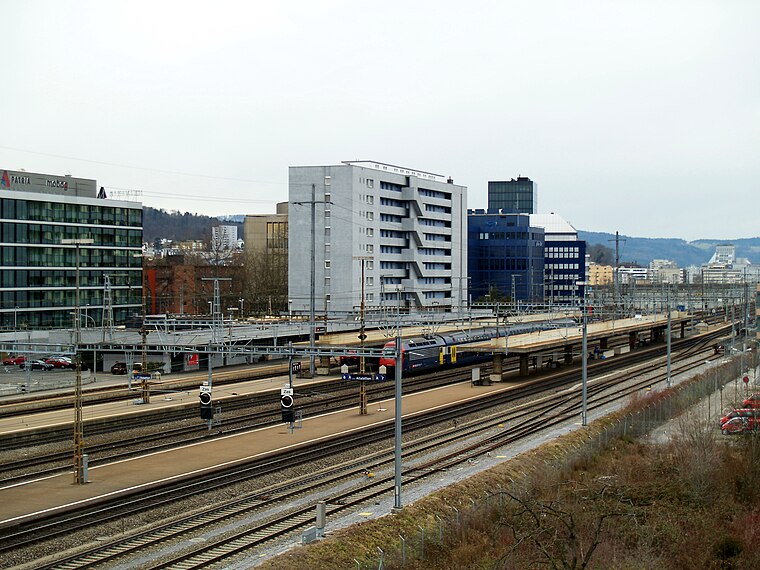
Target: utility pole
x=397, y=422
x=616, y=274
x=313, y=202
x=667, y=289
x=362, y=336
x=144, y=385
x=584, y=358
x=80, y=475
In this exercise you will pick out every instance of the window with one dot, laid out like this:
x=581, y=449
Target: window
x=370, y=232
x=370, y=183
x=370, y=296
x=370, y=248
x=327, y=264
x=370, y=264
x=370, y=216
x=370, y=281
x=370, y=199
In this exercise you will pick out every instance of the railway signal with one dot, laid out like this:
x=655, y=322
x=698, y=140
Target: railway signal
x=207, y=412
x=286, y=405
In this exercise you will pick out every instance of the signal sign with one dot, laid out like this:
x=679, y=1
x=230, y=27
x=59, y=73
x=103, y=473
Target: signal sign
x=287, y=413
x=207, y=412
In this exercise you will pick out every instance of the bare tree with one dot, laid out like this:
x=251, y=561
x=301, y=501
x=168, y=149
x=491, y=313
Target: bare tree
x=563, y=531
x=266, y=282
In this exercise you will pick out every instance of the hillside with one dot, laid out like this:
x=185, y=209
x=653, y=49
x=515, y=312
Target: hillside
x=178, y=226
x=644, y=250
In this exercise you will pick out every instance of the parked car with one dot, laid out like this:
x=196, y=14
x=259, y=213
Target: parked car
x=14, y=359
x=121, y=368
x=60, y=362
x=740, y=424
x=740, y=413
x=35, y=365
x=752, y=401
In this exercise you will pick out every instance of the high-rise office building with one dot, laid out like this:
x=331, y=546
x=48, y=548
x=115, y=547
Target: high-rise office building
x=505, y=256
x=38, y=214
x=401, y=229
x=516, y=196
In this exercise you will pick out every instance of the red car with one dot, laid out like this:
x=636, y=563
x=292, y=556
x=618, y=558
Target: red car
x=737, y=421
x=60, y=362
x=740, y=424
x=13, y=359
x=752, y=401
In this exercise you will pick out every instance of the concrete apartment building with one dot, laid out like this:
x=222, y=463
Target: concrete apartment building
x=224, y=238
x=38, y=213
x=402, y=230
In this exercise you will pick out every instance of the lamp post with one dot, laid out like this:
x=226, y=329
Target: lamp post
x=80, y=476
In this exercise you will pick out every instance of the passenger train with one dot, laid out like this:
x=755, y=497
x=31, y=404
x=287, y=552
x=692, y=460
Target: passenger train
x=450, y=349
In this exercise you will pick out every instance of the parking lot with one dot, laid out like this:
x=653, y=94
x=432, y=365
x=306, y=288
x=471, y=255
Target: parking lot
x=16, y=380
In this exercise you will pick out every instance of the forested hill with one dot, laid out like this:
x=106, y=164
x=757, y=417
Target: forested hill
x=178, y=226
x=684, y=253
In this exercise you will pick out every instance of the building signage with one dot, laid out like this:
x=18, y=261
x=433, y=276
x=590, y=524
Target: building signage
x=57, y=184
x=363, y=377
x=7, y=179
x=20, y=180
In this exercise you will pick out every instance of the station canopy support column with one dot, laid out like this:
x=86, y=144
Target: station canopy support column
x=498, y=367
x=323, y=369
x=524, y=364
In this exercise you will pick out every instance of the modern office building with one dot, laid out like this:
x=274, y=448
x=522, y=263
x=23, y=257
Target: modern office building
x=564, y=260
x=516, y=196
x=505, y=255
x=401, y=230
x=267, y=233
x=39, y=213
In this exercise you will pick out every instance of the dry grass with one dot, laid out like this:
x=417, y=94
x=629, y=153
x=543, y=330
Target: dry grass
x=693, y=503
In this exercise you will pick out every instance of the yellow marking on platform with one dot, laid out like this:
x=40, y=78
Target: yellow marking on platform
x=366, y=514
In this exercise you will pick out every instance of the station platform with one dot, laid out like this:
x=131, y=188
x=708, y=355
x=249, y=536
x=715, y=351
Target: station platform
x=59, y=493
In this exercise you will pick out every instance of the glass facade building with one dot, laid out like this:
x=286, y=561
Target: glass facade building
x=505, y=254
x=518, y=196
x=38, y=213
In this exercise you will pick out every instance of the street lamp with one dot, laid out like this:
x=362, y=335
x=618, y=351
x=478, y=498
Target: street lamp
x=80, y=476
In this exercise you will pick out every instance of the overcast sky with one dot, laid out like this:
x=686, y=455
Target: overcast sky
x=633, y=116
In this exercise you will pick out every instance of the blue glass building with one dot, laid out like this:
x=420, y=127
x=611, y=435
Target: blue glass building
x=505, y=254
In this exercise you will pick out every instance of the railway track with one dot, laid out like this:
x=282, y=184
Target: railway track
x=491, y=432
x=254, y=411
x=53, y=526
x=334, y=396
